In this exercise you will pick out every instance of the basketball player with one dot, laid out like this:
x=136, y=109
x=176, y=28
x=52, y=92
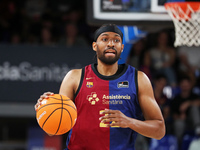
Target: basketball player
x=111, y=99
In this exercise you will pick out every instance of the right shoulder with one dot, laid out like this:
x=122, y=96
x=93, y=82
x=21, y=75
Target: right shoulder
x=73, y=75
x=70, y=83
x=74, y=72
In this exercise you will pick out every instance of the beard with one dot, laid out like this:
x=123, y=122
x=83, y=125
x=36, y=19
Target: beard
x=108, y=60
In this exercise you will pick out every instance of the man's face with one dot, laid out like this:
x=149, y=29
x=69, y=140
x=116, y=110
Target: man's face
x=108, y=47
x=185, y=85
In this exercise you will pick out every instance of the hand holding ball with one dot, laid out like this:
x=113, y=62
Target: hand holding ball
x=57, y=114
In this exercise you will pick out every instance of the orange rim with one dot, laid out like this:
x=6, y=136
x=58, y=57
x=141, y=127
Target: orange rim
x=184, y=7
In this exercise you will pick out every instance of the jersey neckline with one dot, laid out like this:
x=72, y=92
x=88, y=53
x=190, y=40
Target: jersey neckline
x=121, y=70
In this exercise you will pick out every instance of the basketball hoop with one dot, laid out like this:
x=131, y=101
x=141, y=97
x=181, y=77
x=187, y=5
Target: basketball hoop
x=186, y=18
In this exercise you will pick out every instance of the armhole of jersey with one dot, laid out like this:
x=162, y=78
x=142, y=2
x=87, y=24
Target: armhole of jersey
x=136, y=83
x=136, y=87
x=81, y=82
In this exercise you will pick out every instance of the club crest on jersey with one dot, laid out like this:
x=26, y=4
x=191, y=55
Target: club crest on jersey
x=89, y=84
x=123, y=84
x=93, y=98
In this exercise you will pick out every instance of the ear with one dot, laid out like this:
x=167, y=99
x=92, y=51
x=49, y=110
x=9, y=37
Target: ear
x=94, y=46
x=122, y=47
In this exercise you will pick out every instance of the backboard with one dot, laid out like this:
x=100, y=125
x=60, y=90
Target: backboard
x=146, y=14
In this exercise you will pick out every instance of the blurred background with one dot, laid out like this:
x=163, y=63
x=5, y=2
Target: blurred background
x=41, y=40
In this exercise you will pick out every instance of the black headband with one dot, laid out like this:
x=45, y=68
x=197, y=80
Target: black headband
x=108, y=28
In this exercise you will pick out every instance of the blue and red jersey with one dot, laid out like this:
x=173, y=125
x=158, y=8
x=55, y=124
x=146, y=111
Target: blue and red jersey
x=97, y=92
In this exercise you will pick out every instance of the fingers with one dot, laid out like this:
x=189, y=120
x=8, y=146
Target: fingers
x=109, y=111
x=44, y=96
x=114, y=118
x=36, y=107
x=110, y=122
x=109, y=115
x=47, y=94
x=107, y=120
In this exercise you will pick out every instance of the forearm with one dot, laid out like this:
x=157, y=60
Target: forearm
x=154, y=125
x=149, y=128
x=154, y=128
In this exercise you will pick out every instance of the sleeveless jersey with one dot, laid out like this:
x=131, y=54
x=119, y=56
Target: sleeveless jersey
x=95, y=93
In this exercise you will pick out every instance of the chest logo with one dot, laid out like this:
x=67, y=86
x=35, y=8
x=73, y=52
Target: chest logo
x=89, y=78
x=124, y=84
x=89, y=84
x=93, y=98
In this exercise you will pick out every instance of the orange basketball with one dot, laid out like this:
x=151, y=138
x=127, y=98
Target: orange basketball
x=57, y=114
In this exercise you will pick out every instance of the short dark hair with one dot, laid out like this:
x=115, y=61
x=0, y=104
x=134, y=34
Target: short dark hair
x=160, y=76
x=184, y=77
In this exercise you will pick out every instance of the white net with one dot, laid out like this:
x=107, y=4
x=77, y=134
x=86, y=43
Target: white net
x=187, y=25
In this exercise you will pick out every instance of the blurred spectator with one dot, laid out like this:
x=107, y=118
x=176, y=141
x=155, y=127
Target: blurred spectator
x=163, y=58
x=139, y=58
x=53, y=24
x=35, y=7
x=47, y=20
x=185, y=109
x=189, y=61
x=74, y=16
x=7, y=12
x=135, y=58
x=141, y=143
x=15, y=38
x=29, y=17
x=46, y=37
x=195, y=144
x=197, y=86
x=71, y=36
x=159, y=83
x=63, y=5
x=32, y=40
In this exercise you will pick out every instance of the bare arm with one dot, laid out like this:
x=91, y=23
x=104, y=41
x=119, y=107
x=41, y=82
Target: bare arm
x=172, y=55
x=70, y=83
x=153, y=126
x=68, y=87
x=183, y=58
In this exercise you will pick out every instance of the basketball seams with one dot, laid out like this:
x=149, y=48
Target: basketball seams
x=59, y=99
x=50, y=116
x=55, y=103
x=72, y=122
x=69, y=116
x=66, y=114
x=71, y=107
x=60, y=114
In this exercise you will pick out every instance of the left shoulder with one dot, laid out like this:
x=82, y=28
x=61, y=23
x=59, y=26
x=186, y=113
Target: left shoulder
x=144, y=84
x=142, y=76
